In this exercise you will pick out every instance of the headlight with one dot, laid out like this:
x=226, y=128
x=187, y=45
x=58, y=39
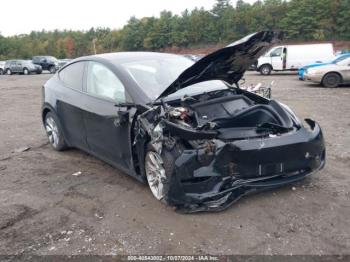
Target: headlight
x=290, y=111
x=157, y=132
x=313, y=72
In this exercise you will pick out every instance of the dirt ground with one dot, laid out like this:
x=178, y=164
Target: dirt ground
x=44, y=209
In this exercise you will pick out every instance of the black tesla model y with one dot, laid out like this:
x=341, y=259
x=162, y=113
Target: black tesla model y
x=186, y=128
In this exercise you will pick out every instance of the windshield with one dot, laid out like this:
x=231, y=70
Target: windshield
x=156, y=74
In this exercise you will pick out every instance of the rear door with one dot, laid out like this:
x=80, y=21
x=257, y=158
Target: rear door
x=16, y=67
x=108, y=136
x=70, y=103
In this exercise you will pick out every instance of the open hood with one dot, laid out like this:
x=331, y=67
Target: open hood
x=227, y=64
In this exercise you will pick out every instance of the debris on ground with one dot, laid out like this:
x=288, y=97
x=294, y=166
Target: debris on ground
x=77, y=173
x=21, y=149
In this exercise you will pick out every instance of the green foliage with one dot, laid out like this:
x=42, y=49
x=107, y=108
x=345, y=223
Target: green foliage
x=300, y=19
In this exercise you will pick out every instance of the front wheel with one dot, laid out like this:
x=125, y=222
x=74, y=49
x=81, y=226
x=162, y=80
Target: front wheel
x=54, y=132
x=265, y=69
x=331, y=80
x=159, y=168
x=25, y=71
x=8, y=72
x=1, y=71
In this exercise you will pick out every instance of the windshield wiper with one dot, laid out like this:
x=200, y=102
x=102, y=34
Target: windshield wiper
x=275, y=128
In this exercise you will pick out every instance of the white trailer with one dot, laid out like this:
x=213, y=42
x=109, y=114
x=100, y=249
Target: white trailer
x=292, y=57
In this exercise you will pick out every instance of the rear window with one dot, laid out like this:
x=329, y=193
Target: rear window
x=72, y=76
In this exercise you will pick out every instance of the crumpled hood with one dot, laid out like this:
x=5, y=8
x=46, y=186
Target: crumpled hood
x=227, y=64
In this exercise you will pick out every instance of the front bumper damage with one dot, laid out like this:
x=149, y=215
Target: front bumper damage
x=213, y=180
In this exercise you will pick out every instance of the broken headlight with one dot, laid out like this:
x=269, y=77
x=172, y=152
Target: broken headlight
x=292, y=114
x=157, y=132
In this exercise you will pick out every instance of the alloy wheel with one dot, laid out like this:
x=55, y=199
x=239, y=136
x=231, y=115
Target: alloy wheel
x=52, y=131
x=155, y=174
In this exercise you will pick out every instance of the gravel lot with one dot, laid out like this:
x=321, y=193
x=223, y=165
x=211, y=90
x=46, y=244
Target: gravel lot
x=44, y=209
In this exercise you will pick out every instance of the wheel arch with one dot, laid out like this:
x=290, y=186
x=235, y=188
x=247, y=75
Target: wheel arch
x=333, y=72
x=268, y=64
x=46, y=109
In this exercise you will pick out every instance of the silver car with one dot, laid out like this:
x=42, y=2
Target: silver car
x=2, y=67
x=330, y=75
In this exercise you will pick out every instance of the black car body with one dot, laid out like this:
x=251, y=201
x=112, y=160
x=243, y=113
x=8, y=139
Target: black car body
x=21, y=67
x=48, y=63
x=200, y=143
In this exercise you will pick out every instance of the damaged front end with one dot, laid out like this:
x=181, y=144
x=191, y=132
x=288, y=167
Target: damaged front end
x=202, y=152
x=218, y=146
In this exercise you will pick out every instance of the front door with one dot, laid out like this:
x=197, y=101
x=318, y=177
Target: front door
x=108, y=133
x=277, y=58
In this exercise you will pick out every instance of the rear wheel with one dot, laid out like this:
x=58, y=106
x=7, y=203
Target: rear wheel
x=25, y=71
x=54, y=132
x=52, y=69
x=8, y=72
x=331, y=80
x=1, y=71
x=265, y=69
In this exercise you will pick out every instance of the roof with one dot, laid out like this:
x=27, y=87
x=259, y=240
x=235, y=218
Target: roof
x=122, y=57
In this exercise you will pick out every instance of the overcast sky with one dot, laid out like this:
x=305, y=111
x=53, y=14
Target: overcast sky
x=23, y=16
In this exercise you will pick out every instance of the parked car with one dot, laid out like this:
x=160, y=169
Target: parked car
x=2, y=67
x=62, y=62
x=339, y=58
x=293, y=57
x=25, y=67
x=183, y=127
x=330, y=75
x=49, y=63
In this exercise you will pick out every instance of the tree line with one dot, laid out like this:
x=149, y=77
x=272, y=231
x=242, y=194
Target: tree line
x=301, y=20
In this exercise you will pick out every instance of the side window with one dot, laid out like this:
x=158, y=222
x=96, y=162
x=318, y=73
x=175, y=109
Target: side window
x=104, y=83
x=72, y=76
x=277, y=52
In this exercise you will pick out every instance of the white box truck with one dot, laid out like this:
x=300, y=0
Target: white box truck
x=292, y=57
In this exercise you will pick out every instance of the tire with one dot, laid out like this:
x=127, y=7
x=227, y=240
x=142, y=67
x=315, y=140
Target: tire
x=25, y=71
x=38, y=72
x=163, y=170
x=52, y=69
x=1, y=71
x=54, y=132
x=265, y=70
x=331, y=80
x=8, y=72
